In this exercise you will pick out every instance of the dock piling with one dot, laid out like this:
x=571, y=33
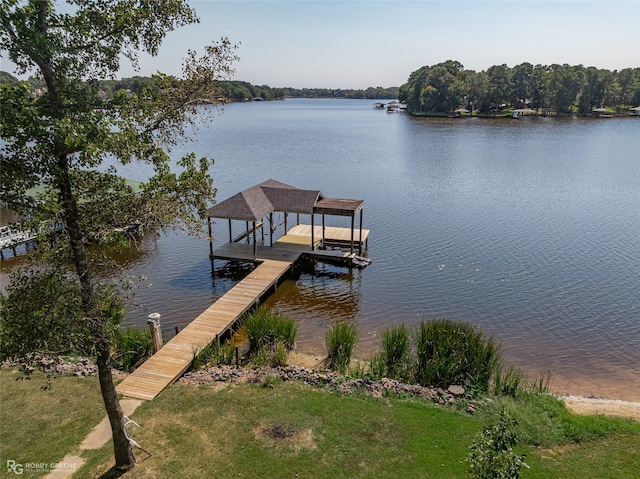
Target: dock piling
x=156, y=332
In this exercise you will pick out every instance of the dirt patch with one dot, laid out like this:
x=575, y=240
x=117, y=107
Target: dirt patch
x=215, y=387
x=280, y=431
x=604, y=407
x=306, y=360
x=285, y=435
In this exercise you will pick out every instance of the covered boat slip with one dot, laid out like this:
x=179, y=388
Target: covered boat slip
x=253, y=205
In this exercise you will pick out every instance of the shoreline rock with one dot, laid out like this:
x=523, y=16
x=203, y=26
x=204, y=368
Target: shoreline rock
x=53, y=365
x=455, y=395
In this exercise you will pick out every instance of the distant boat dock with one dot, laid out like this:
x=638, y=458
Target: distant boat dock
x=275, y=261
x=12, y=236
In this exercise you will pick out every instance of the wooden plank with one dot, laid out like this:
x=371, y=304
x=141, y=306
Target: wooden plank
x=320, y=253
x=249, y=232
x=331, y=233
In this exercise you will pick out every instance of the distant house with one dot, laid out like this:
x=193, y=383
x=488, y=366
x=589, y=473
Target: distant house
x=518, y=112
x=460, y=111
x=602, y=113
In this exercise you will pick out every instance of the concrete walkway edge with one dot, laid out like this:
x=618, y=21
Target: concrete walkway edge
x=98, y=437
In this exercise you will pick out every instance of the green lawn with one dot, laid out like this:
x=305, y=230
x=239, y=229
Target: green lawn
x=293, y=430
x=42, y=425
x=253, y=431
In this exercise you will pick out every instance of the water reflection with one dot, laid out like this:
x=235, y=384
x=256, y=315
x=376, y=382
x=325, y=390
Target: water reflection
x=317, y=299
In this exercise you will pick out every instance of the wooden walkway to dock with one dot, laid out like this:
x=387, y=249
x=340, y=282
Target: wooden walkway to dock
x=175, y=357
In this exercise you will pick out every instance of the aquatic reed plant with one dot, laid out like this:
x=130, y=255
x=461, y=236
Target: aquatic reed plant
x=267, y=330
x=360, y=370
x=394, y=358
x=201, y=358
x=214, y=354
x=454, y=352
x=340, y=338
x=543, y=384
x=395, y=351
x=507, y=380
x=272, y=355
x=132, y=346
x=510, y=381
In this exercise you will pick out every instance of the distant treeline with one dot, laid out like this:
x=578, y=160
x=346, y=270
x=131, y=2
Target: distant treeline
x=371, y=93
x=231, y=90
x=241, y=91
x=564, y=89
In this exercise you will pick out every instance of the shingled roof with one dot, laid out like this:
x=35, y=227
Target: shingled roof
x=267, y=197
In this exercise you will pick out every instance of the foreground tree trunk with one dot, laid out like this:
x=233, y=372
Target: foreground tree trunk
x=121, y=447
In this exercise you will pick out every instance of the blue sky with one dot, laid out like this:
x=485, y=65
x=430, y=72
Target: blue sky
x=357, y=44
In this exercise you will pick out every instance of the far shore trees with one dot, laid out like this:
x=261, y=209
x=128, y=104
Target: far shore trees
x=447, y=86
x=70, y=141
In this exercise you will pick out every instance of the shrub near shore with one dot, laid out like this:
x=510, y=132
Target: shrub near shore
x=441, y=353
x=340, y=339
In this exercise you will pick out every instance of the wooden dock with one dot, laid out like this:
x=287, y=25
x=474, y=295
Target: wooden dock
x=175, y=357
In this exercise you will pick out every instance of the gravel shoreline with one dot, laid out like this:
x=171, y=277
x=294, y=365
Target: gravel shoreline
x=454, y=396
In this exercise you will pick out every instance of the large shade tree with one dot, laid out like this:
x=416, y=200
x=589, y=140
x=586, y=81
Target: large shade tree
x=62, y=137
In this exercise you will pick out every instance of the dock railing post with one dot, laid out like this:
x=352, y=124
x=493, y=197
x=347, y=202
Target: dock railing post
x=271, y=229
x=213, y=271
x=313, y=245
x=360, y=236
x=156, y=332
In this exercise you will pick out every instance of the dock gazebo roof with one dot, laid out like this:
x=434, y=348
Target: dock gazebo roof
x=338, y=207
x=268, y=197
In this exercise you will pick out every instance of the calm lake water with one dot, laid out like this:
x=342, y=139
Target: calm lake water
x=528, y=228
